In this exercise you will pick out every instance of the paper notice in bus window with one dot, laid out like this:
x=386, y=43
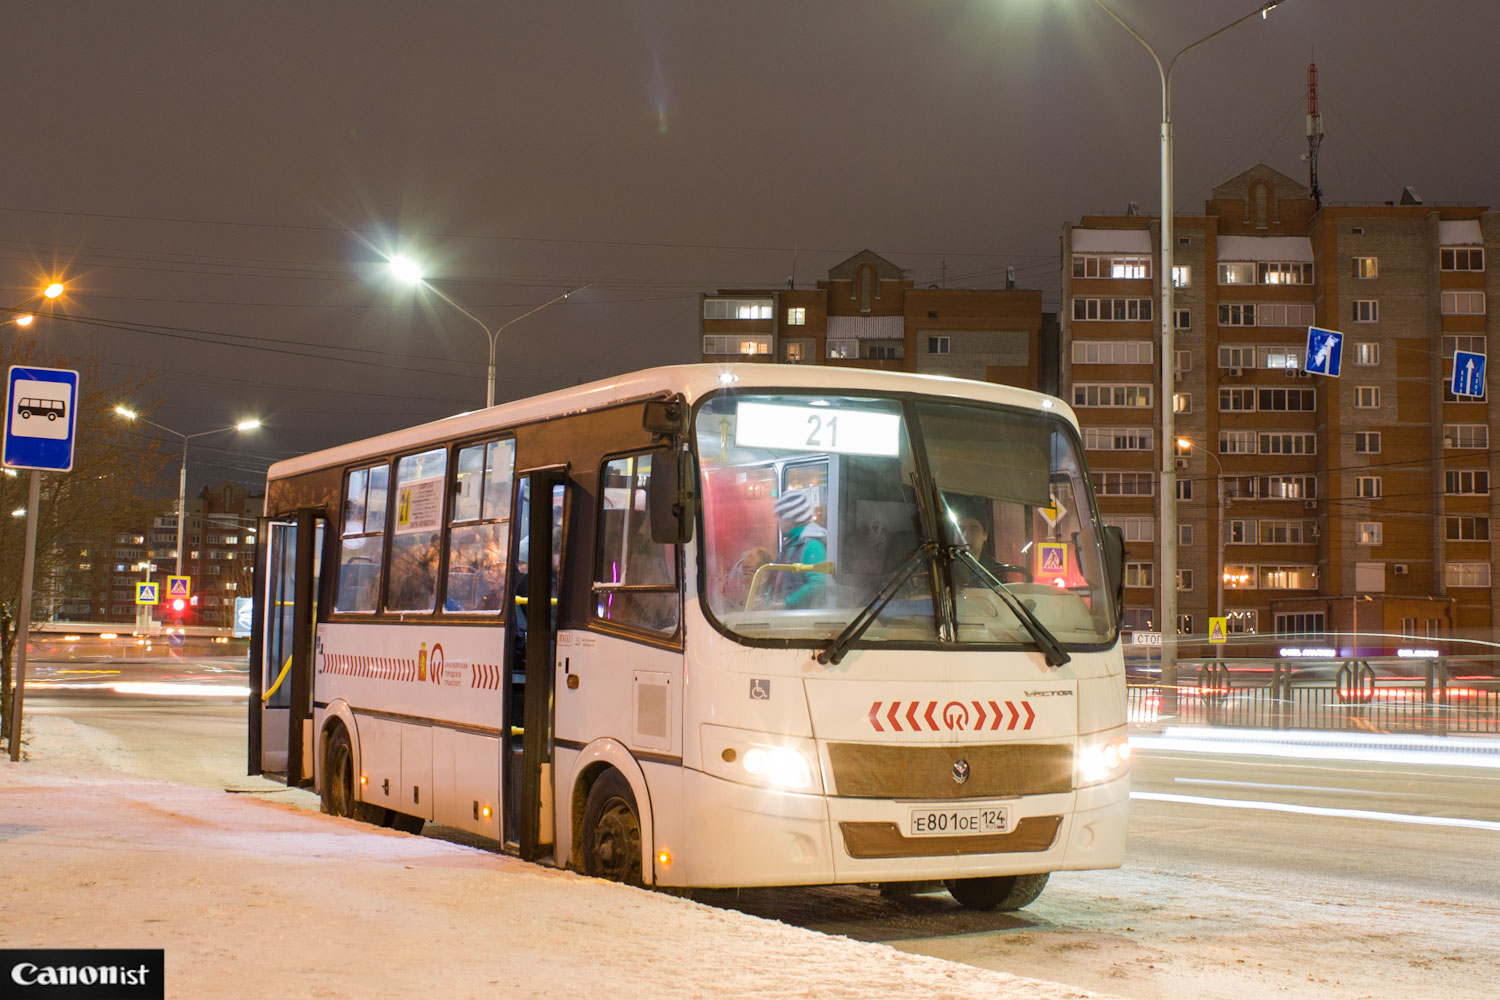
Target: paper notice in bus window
x=817, y=428
x=419, y=505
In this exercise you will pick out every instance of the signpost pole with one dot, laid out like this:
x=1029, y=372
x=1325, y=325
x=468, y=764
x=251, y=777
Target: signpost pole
x=23, y=625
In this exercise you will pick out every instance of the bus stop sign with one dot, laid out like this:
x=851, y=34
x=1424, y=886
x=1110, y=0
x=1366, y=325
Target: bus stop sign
x=40, y=418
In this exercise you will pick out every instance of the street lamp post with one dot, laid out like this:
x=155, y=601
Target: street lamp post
x=21, y=315
x=243, y=425
x=410, y=272
x=1168, y=470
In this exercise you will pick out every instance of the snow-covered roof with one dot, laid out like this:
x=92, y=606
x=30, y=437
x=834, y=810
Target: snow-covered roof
x=1134, y=241
x=1253, y=248
x=1460, y=232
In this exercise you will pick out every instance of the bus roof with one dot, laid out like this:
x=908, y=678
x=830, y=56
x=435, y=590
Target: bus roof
x=692, y=381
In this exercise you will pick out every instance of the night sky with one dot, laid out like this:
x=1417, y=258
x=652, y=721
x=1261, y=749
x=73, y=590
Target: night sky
x=218, y=181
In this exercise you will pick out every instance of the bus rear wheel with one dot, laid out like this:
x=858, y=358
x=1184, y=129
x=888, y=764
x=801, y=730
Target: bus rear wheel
x=338, y=798
x=612, y=831
x=1004, y=892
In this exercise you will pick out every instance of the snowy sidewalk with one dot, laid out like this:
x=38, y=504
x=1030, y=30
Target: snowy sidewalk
x=251, y=897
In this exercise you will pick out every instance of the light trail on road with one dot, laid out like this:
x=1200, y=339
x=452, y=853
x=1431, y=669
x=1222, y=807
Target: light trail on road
x=1287, y=807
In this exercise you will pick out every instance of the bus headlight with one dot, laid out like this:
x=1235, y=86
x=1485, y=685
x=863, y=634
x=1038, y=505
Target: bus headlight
x=783, y=767
x=1102, y=759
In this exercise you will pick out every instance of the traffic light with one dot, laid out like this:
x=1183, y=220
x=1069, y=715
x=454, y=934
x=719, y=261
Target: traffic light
x=177, y=609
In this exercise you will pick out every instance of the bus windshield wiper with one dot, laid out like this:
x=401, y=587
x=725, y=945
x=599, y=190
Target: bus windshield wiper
x=1045, y=640
x=861, y=622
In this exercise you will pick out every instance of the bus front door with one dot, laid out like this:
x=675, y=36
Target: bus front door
x=540, y=561
x=288, y=562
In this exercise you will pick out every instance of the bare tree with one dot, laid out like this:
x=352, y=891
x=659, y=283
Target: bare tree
x=113, y=476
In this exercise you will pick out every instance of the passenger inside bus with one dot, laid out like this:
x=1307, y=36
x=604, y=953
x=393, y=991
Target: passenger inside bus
x=802, y=542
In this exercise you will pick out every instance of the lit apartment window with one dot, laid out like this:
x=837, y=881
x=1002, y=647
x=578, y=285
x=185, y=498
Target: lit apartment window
x=796, y=352
x=1467, y=528
x=1280, y=357
x=1096, y=266
x=1286, y=487
x=937, y=345
x=1366, y=311
x=1366, y=397
x=1466, y=436
x=1239, y=577
x=1366, y=354
x=1184, y=579
x=1461, y=258
x=1366, y=442
x=736, y=308
x=1466, y=482
x=1366, y=267
x=1182, y=276
x=1182, y=402
x=847, y=348
x=754, y=345
x=1243, y=621
x=1284, y=273
x=1367, y=487
x=796, y=316
x=1466, y=574
x=1236, y=274
x=1462, y=302
x=1289, y=578
x=1370, y=533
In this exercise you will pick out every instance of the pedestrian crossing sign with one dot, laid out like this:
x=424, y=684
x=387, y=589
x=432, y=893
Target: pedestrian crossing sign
x=1052, y=558
x=147, y=593
x=1218, y=630
x=179, y=586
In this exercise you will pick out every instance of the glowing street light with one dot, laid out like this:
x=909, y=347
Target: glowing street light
x=243, y=425
x=408, y=271
x=21, y=314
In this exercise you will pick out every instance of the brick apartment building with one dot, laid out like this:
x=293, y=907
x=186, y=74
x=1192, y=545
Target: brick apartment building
x=218, y=554
x=869, y=313
x=1370, y=488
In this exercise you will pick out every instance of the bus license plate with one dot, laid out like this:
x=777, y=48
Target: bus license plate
x=959, y=822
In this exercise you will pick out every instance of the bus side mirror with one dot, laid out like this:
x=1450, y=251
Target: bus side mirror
x=665, y=416
x=672, y=500
x=1114, y=563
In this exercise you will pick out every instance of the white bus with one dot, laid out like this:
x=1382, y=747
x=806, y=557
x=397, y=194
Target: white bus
x=710, y=626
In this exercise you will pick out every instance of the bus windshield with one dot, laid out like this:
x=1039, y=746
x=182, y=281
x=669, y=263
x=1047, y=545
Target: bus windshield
x=817, y=506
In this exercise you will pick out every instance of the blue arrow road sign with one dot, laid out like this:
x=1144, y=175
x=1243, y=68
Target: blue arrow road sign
x=1325, y=351
x=1468, y=373
x=40, y=418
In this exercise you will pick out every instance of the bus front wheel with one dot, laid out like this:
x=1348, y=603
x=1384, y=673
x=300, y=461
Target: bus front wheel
x=1005, y=892
x=612, y=831
x=338, y=783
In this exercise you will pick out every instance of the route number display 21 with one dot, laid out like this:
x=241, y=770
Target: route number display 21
x=832, y=428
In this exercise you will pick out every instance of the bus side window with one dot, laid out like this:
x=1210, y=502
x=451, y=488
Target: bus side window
x=362, y=539
x=479, y=532
x=417, y=531
x=635, y=578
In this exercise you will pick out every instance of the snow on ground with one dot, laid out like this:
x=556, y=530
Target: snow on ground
x=251, y=895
